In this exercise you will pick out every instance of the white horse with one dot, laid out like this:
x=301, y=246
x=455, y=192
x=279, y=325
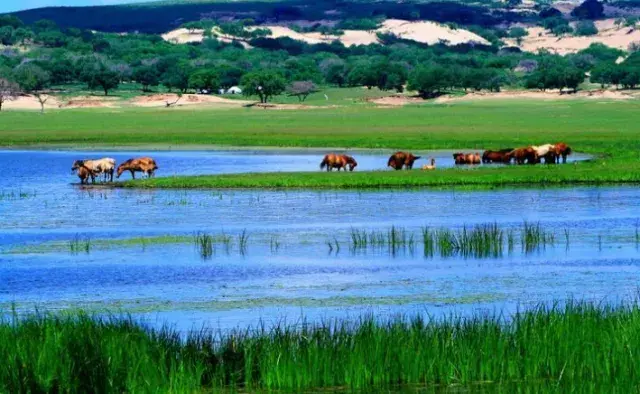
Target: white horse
x=544, y=150
x=105, y=166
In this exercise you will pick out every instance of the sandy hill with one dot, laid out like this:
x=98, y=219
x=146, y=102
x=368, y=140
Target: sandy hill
x=424, y=32
x=608, y=34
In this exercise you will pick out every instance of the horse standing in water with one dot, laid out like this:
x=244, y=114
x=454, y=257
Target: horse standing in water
x=468, y=158
x=333, y=160
x=402, y=159
x=496, y=156
x=146, y=165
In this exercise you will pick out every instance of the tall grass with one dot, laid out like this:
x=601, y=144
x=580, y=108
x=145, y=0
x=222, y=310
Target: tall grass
x=204, y=244
x=571, y=347
x=534, y=237
x=80, y=244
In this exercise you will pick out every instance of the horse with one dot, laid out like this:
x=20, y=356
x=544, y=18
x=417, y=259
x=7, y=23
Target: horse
x=333, y=160
x=399, y=160
x=520, y=155
x=431, y=166
x=562, y=150
x=496, y=156
x=84, y=173
x=546, y=151
x=466, y=158
x=105, y=166
x=146, y=165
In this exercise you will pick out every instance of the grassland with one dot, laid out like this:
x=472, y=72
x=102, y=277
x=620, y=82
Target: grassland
x=578, y=347
x=606, y=129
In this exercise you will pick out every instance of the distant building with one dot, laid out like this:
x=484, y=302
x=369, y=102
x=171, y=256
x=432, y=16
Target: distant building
x=234, y=90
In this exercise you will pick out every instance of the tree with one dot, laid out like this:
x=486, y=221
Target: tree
x=586, y=28
x=98, y=75
x=11, y=20
x=204, y=80
x=631, y=77
x=177, y=77
x=7, y=35
x=428, y=81
x=33, y=80
x=590, y=9
x=301, y=89
x=8, y=91
x=518, y=33
x=264, y=84
x=146, y=76
x=602, y=74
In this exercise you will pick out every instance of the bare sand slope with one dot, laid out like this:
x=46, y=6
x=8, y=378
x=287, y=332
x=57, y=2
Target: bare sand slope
x=30, y=103
x=424, y=32
x=548, y=95
x=160, y=100
x=608, y=34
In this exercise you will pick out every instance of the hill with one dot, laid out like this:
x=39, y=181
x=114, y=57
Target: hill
x=161, y=17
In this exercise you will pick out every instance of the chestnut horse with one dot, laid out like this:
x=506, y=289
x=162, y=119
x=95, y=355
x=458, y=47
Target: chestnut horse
x=521, y=155
x=399, y=160
x=84, y=174
x=146, y=165
x=562, y=150
x=466, y=158
x=496, y=156
x=333, y=160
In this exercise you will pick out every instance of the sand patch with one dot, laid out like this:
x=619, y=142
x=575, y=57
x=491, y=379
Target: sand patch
x=88, y=102
x=551, y=95
x=161, y=100
x=396, y=101
x=608, y=34
x=184, y=36
x=29, y=102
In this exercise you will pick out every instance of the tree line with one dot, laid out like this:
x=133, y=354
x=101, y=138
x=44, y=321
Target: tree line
x=42, y=56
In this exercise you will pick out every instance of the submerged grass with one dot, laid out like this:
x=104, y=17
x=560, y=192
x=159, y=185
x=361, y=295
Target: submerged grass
x=563, y=348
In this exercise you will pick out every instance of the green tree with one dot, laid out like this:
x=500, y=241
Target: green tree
x=23, y=36
x=147, y=76
x=177, y=77
x=205, y=80
x=428, y=80
x=631, y=77
x=602, y=74
x=518, y=33
x=586, y=28
x=98, y=75
x=264, y=84
x=33, y=80
x=7, y=35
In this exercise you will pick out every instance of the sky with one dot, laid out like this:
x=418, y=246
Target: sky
x=16, y=5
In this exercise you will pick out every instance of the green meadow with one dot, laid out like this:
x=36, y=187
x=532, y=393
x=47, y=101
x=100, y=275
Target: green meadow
x=572, y=348
x=608, y=130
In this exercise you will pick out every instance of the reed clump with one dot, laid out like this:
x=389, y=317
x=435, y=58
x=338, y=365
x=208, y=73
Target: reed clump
x=576, y=347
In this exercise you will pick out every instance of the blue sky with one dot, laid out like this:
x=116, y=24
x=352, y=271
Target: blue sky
x=16, y=5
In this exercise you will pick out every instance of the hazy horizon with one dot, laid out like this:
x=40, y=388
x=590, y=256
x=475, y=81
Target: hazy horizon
x=19, y=5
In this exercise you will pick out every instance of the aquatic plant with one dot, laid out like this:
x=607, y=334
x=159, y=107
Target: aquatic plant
x=80, y=244
x=204, y=244
x=534, y=237
x=243, y=238
x=555, y=349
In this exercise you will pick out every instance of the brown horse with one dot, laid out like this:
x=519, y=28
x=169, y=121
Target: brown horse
x=84, y=174
x=522, y=155
x=146, y=165
x=333, y=160
x=399, y=160
x=496, y=156
x=562, y=150
x=466, y=158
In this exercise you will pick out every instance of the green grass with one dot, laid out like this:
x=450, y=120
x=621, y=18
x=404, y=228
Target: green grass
x=578, y=347
x=86, y=244
x=609, y=130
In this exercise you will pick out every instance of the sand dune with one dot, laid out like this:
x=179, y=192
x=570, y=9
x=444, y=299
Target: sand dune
x=424, y=32
x=608, y=34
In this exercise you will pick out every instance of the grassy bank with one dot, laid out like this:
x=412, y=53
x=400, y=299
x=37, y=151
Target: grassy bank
x=600, y=172
x=564, y=348
x=608, y=130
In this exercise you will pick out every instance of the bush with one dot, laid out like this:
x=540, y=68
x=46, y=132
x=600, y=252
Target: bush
x=590, y=9
x=586, y=28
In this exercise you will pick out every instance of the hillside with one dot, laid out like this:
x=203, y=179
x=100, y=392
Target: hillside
x=161, y=17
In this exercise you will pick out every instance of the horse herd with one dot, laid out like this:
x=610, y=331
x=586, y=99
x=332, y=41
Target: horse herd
x=551, y=153
x=90, y=169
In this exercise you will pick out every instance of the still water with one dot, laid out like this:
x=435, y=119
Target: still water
x=297, y=263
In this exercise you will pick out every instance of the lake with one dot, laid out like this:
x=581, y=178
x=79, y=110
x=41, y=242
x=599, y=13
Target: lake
x=298, y=262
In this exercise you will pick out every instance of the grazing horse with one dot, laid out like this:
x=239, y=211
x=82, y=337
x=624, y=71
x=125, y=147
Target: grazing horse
x=105, y=166
x=431, y=166
x=146, y=165
x=521, y=155
x=546, y=151
x=468, y=158
x=399, y=160
x=562, y=150
x=496, y=156
x=333, y=160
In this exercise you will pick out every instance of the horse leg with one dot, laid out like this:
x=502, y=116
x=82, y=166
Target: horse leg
x=133, y=174
x=564, y=158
